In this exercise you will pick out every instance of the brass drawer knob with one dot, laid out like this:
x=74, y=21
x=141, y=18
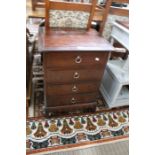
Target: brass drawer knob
x=78, y=59
x=74, y=89
x=76, y=75
x=73, y=100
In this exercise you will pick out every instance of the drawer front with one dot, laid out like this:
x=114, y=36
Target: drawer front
x=72, y=88
x=71, y=107
x=73, y=76
x=56, y=60
x=71, y=99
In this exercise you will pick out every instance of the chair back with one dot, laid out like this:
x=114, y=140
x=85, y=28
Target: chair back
x=62, y=14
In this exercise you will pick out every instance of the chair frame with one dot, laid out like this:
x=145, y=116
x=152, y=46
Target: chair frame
x=70, y=6
x=37, y=4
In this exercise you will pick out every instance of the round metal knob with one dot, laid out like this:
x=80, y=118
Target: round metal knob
x=73, y=100
x=76, y=75
x=74, y=89
x=78, y=59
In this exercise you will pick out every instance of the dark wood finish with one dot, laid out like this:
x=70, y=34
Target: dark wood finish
x=74, y=99
x=74, y=62
x=72, y=40
x=56, y=60
x=68, y=108
x=80, y=6
x=66, y=75
x=73, y=88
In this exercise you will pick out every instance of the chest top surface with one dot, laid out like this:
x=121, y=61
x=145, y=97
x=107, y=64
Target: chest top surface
x=72, y=40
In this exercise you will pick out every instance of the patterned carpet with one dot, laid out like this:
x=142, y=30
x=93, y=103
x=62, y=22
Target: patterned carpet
x=50, y=134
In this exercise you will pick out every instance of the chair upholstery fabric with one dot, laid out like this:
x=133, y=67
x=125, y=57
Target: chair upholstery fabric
x=68, y=19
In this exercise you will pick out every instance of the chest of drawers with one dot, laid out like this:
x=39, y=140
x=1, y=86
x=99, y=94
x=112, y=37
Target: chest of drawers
x=73, y=69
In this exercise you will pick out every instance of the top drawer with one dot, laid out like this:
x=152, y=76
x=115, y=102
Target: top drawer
x=56, y=60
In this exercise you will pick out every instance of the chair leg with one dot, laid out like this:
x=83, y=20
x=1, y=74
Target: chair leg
x=33, y=2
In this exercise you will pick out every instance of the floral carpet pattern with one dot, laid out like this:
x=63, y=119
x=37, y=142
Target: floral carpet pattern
x=48, y=133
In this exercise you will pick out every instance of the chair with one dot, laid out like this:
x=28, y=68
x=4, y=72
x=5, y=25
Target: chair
x=60, y=14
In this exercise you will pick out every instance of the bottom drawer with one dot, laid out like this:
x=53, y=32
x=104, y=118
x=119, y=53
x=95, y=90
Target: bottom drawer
x=53, y=101
x=71, y=108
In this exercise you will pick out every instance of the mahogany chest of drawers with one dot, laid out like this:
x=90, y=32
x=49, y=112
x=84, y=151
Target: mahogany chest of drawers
x=74, y=64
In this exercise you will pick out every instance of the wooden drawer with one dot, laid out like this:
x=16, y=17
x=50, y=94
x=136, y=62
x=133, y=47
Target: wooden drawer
x=71, y=99
x=72, y=76
x=56, y=60
x=72, y=88
x=71, y=108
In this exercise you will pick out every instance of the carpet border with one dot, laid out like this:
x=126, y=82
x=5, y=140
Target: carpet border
x=82, y=145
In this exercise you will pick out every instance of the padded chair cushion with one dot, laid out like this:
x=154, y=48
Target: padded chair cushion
x=108, y=25
x=68, y=19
